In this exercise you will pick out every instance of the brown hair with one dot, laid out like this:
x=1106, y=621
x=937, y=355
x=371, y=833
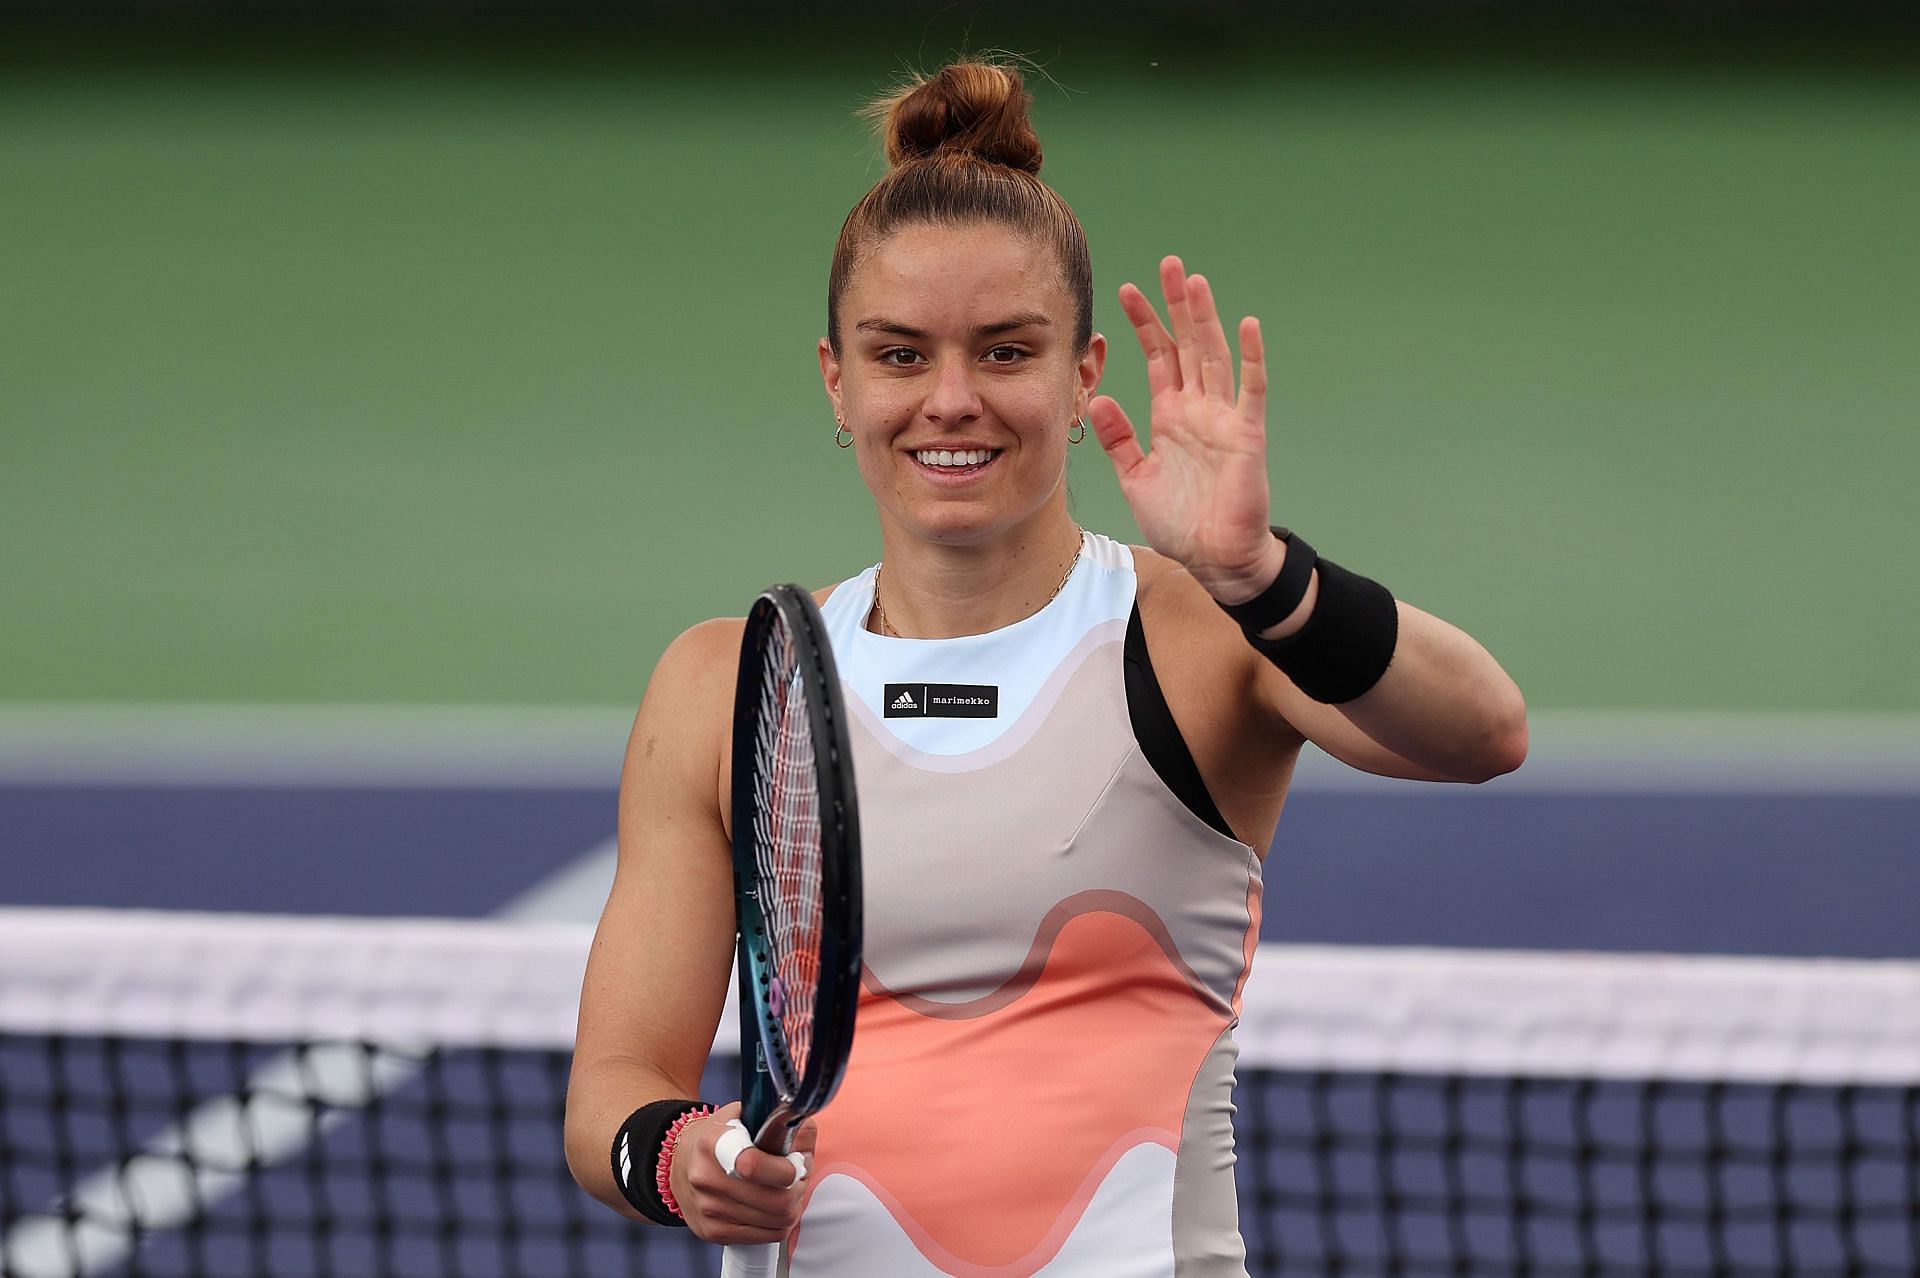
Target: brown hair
x=963, y=150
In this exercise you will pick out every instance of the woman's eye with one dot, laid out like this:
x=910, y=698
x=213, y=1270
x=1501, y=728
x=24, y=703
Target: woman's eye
x=1005, y=355
x=887, y=356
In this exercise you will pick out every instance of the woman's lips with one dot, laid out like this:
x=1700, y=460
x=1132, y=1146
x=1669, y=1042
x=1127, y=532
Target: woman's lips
x=953, y=471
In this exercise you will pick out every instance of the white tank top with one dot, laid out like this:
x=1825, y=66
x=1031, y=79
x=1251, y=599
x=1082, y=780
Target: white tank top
x=1055, y=947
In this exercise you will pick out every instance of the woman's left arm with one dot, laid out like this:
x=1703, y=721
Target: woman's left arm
x=1443, y=709
x=1443, y=706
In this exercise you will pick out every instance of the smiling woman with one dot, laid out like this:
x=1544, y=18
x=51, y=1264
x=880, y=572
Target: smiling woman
x=1063, y=844
x=957, y=385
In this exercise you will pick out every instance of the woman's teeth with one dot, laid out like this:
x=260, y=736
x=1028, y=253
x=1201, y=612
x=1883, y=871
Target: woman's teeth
x=967, y=457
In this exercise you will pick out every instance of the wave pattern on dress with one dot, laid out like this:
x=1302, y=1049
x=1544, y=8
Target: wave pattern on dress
x=1040, y=1100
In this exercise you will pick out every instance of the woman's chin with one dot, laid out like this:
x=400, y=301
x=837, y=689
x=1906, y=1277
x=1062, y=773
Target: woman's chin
x=959, y=523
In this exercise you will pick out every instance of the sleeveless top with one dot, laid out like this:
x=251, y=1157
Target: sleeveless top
x=1055, y=947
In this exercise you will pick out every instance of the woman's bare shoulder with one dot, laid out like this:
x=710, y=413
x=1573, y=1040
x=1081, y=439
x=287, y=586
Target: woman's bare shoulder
x=1167, y=590
x=702, y=657
x=694, y=678
x=699, y=653
x=688, y=705
x=688, y=708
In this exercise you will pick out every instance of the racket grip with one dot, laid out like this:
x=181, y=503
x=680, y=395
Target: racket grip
x=759, y=1261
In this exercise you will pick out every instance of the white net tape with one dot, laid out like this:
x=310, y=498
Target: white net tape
x=476, y=983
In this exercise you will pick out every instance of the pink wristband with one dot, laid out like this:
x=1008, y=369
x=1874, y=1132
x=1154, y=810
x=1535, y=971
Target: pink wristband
x=663, y=1170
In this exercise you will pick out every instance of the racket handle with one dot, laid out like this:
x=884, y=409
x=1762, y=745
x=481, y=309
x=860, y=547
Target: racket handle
x=759, y=1261
x=742, y=1261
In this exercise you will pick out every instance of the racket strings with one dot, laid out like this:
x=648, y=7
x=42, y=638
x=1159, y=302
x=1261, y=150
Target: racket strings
x=787, y=847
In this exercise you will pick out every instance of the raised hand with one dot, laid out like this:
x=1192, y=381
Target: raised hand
x=1200, y=497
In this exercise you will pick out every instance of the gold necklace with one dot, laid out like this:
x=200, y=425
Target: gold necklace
x=880, y=614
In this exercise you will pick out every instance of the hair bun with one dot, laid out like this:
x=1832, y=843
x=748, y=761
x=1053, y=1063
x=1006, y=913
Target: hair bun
x=975, y=108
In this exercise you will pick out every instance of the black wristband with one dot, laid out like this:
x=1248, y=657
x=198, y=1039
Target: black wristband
x=1276, y=603
x=1347, y=642
x=636, y=1153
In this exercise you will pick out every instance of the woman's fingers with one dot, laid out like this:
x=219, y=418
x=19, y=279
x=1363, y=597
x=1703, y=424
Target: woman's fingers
x=1195, y=355
x=763, y=1192
x=1163, y=359
x=718, y=1227
x=1253, y=372
x=1209, y=339
x=1173, y=284
x=738, y=1202
x=753, y=1215
x=758, y=1167
x=1116, y=435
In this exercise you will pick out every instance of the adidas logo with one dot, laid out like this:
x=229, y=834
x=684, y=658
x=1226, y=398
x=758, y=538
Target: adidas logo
x=941, y=700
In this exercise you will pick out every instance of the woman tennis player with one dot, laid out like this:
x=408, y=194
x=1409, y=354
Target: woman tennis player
x=1071, y=755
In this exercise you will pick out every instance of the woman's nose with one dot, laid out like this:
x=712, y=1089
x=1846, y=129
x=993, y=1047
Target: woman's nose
x=952, y=397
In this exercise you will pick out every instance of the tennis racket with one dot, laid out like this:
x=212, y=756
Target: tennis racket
x=796, y=884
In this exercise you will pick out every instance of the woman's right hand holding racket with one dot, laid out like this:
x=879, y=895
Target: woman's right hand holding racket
x=758, y=1203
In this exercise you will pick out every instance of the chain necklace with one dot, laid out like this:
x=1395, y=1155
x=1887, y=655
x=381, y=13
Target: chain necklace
x=880, y=614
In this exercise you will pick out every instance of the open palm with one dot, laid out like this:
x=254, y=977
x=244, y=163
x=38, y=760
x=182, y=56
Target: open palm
x=1200, y=497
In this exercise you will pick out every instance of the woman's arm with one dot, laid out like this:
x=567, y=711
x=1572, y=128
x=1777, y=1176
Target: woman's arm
x=656, y=977
x=1442, y=710
x=657, y=974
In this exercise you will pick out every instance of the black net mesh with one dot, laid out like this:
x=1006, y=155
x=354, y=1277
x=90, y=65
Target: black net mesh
x=149, y=1157
x=164, y=1157
x=1420, y=1175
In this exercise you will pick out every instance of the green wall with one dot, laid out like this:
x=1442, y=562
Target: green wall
x=474, y=375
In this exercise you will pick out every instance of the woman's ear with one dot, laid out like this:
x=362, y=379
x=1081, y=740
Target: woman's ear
x=1091, y=364
x=830, y=375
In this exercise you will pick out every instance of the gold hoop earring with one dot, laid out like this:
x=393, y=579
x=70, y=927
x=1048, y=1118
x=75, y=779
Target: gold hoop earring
x=840, y=428
x=1079, y=424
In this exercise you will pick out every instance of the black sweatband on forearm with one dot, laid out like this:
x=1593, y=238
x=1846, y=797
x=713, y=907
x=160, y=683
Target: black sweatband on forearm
x=636, y=1154
x=1347, y=642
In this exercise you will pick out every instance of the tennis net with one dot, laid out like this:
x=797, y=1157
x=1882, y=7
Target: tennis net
x=219, y=1094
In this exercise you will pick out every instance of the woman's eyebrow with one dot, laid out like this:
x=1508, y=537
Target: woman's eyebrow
x=1026, y=319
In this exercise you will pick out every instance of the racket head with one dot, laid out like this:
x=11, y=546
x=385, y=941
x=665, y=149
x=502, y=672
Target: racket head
x=796, y=862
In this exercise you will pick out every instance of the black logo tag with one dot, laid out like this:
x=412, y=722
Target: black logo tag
x=942, y=701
